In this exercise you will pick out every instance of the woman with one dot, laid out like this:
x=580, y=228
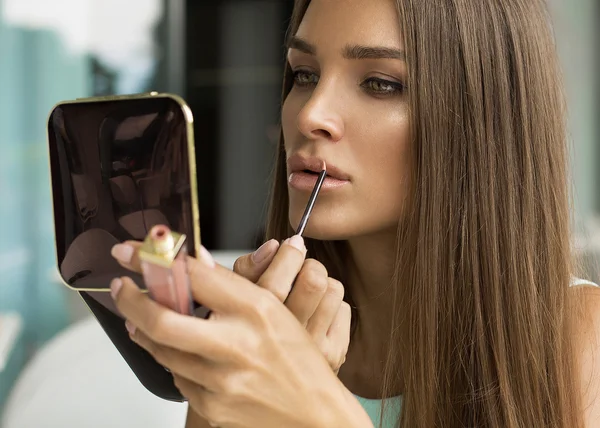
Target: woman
x=446, y=219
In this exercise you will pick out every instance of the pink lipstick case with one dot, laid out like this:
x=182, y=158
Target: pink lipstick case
x=124, y=168
x=163, y=257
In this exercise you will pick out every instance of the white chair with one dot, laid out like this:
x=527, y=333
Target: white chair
x=79, y=380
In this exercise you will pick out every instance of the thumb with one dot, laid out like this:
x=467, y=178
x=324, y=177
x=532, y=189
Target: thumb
x=126, y=254
x=252, y=266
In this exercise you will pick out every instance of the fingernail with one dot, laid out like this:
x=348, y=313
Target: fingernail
x=263, y=252
x=115, y=287
x=296, y=241
x=206, y=257
x=122, y=252
x=130, y=327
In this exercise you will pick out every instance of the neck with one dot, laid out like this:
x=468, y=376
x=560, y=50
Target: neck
x=371, y=267
x=369, y=282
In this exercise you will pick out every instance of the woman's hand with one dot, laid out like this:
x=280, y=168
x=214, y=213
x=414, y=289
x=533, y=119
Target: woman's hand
x=315, y=299
x=251, y=363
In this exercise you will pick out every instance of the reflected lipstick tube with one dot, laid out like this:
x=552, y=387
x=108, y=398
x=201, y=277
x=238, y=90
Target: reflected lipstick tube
x=163, y=258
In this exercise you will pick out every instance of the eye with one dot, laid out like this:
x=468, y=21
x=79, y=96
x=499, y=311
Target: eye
x=305, y=78
x=383, y=87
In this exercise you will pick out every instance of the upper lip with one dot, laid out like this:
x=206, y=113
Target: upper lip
x=297, y=163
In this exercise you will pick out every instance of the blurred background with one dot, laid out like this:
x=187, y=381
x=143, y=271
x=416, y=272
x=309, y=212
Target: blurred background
x=225, y=58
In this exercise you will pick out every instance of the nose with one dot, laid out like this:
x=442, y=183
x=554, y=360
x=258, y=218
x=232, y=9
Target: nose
x=320, y=118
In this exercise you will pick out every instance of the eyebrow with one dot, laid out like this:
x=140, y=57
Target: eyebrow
x=351, y=51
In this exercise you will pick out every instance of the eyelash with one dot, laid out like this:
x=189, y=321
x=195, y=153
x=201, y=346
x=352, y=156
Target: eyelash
x=396, y=88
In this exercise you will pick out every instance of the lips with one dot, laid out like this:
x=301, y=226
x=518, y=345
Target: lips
x=304, y=171
x=314, y=165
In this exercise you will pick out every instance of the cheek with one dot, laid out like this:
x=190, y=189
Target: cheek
x=397, y=161
x=387, y=162
x=385, y=143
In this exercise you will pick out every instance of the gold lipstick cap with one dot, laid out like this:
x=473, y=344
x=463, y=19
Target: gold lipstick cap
x=161, y=246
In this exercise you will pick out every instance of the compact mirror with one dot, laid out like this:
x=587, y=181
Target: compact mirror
x=119, y=166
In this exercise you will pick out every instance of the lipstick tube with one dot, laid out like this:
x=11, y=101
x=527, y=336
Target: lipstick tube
x=163, y=258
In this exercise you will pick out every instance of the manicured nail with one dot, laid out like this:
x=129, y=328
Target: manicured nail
x=130, y=327
x=297, y=241
x=115, y=287
x=122, y=252
x=263, y=252
x=206, y=258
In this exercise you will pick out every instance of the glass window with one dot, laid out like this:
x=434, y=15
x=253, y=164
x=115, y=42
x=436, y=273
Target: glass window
x=52, y=51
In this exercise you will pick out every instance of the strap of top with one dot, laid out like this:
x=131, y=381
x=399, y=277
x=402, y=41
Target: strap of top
x=392, y=411
x=578, y=281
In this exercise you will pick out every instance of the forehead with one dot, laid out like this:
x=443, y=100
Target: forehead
x=336, y=23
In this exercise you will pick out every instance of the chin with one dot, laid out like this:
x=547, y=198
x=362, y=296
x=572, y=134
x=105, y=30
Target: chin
x=330, y=224
x=322, y=226
x=323, y=234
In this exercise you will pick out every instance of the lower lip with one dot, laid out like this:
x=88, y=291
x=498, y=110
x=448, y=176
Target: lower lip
x=307, y=181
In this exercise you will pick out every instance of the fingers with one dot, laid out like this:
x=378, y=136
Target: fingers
x=338, y=337
x=164, y=326
x=330, y=304
x=252, y=266
x=309, y=288
x=339, y=331
x=221, y=289
x=189, y=366
x=126, y=254
x=281, y=273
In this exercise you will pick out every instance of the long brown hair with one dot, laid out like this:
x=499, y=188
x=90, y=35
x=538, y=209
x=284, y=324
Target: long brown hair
x=483, y=333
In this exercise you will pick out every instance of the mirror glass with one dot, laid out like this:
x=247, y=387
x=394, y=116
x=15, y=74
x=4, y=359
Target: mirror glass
x=118, y=168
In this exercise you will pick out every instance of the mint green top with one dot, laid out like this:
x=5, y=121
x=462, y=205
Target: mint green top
x=394, y=405
x=372, y=406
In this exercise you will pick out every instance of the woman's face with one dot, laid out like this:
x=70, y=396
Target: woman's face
x=349, y=108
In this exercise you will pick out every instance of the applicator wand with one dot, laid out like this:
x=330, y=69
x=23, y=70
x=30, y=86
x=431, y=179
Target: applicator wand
x=312, y=200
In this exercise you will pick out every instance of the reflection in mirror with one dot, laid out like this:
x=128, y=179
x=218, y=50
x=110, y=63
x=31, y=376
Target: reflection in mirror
x=118, y=168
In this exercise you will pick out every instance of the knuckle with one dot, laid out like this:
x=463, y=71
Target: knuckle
x=330, y=355
x=265, y=305
x=235, y=384
x=276, y=288
x=280, y=291
x=337, y=356
x=153, y=329
x=345, y=307
x=322, y=346
x=335, y=288
x=314, y=283
x=158, y=328
x=313, y=277
x=312, y=264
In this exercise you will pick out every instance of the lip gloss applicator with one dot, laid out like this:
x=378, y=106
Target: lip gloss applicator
x=164, y=267
x=312, y=200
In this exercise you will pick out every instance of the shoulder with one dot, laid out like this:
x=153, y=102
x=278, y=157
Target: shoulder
x=589, y=334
